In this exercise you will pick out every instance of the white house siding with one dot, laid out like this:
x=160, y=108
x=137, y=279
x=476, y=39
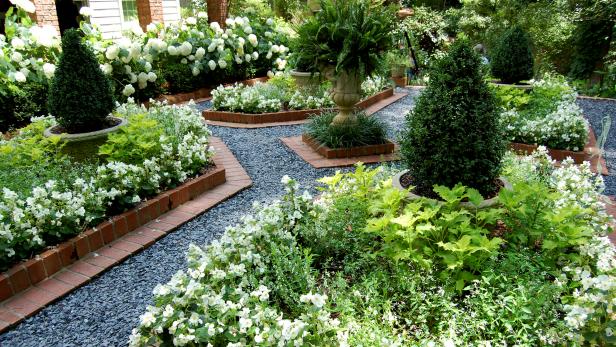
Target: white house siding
x=107, y=14
x=171, y=11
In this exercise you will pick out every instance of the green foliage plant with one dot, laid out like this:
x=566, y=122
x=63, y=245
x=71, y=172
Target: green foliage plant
x=80, y=96
x=346, y=35
x=361, y=131
x=437, y=233
x=134, y=143
x=453, y=134
x=512, y=58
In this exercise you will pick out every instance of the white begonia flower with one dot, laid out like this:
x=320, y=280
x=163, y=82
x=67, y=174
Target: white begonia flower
x=196, y=71
x=211, y=64
x=18, y=43
x=270, y=21
x=25, y=5
x=152, y=76
x=200, y=53
x=85, y=11
x=202, y=14
x=128, y=90
x=49, y=70
x=222, y=63
x=252, y=38
x=107, y=68
x=270, y=74
x=275, y=48
x=184, y=61
x=255, y=55
x=17, y=57
x=46, y=36
x=152, y=27
x=172, y=50
x=186, y=48
x=112, y=52
x=191, y=57
x=215, y=26
x=20, y=77
x=191, y=21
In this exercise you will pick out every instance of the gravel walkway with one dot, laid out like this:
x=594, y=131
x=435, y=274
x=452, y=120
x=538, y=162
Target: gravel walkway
x=103, y=312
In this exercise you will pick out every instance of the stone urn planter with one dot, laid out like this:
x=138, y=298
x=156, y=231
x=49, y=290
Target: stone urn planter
x=485, y=204
x=314, y=6
x=346, y=93
x=305, y=79
x=82, y=146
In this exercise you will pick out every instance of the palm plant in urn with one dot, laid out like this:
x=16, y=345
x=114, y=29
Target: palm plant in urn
x=346, y=41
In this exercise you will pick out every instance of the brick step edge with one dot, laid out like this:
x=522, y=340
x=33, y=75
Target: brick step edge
x=359, y=151
x=286, y=116
x=30, y=286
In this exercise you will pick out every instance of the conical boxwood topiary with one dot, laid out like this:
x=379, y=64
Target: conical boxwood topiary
x=453, y=134
x=80, y=96
x=512, y=59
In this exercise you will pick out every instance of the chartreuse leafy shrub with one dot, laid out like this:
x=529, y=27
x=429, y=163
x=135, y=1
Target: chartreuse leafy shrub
x=512, y=58
x=437, y=145
x=362, y=131
x=351, y=269
x=80, y=95
x=46, y=198
x=548, y=115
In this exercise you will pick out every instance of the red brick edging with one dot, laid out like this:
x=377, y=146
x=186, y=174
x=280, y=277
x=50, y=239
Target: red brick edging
x=588, y=154
x=307, y=153
x=331, y=153
x=30, y=286
x=285, y=116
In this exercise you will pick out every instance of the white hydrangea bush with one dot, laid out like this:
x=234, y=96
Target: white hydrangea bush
x=223, y=297
x=65, y=208
x=564, y=127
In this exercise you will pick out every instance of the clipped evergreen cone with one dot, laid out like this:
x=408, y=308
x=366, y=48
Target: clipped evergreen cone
x=512, y=59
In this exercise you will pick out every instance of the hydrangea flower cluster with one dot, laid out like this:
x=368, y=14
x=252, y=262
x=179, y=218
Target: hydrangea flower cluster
x=561, y=127
x=60, y=208
x=223, y=297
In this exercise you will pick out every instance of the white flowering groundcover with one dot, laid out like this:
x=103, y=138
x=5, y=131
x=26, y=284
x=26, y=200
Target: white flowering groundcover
x=302, y=272
x=280, y=94
x=35, y=216
x=549, y=116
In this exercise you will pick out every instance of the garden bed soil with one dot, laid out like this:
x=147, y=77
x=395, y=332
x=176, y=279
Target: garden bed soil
x=524, y=86
x=285, y=116
x=331, y=153
x=44, y=265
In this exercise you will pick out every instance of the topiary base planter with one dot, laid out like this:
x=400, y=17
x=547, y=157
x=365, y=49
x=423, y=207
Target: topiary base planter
x=485, y=204
x=305, y=79
x=82, y=146
x=524, y=86
x=359, y=151
x=556, y=154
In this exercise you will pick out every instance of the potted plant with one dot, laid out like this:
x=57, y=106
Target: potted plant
x=345, y=41
x=453, y=135
x=398, y=63
x=81, y=100
x=302, y=73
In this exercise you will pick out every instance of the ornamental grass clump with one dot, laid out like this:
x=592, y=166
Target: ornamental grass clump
x=453, y=134
x=80, y=95
x=512, y=59
x=362, y=131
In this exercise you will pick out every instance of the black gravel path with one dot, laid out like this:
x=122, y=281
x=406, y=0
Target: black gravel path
x=103, y=312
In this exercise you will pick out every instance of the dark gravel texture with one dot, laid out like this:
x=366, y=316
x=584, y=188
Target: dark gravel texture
x=595, y=111
x=103, y=312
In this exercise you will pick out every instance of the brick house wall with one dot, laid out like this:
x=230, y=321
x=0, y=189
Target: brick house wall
x=149, y=11
x=46, y=13
x=217, y=11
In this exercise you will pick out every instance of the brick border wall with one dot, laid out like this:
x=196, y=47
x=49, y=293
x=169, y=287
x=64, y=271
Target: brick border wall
x=30, y=286
x=359, y=151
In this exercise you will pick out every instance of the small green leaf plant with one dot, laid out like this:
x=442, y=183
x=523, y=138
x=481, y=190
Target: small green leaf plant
x=134, y=143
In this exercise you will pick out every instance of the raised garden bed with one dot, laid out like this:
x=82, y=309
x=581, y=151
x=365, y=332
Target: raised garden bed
x=285, y=116
x=331, y=153
x=203, y=93
x=556, y=154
